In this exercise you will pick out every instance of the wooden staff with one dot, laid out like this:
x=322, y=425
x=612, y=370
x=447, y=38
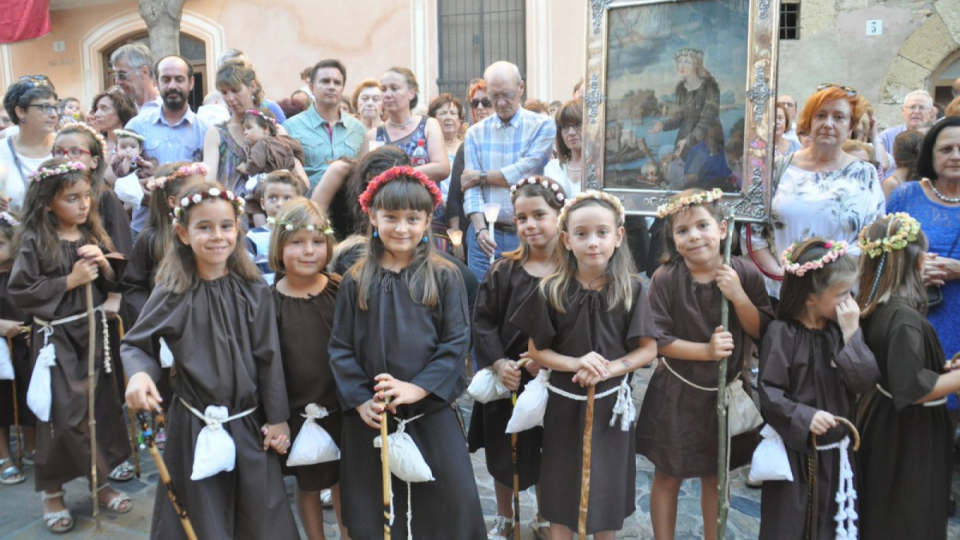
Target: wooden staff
x=16, y=409
x=585, y=475
x=92, y=388
x=145, y=425
x=813, y=499
x=516, y=473
x=385, y=464
x=723, y=500
x=130, y=425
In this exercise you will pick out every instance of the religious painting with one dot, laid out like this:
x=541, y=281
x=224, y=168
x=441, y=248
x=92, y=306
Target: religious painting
x=678, y=96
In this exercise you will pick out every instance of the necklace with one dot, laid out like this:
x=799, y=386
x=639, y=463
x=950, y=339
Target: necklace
x=942, y=197
x=401, y=126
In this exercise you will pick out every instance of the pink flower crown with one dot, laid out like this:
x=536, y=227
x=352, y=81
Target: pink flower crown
x=80, y=126
x=212, y=193
x=255, y=112
x=597, y=196
x=8, y=217
x=366, y=198
x=291, y=226
x=556, y=188
x=46, y=172
x=835, y=250
x=193, y=169
x=678, y=203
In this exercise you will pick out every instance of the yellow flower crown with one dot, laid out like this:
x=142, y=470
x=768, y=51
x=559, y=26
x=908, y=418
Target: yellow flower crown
x=678, y=203
x=906, y=233
x=595, y=195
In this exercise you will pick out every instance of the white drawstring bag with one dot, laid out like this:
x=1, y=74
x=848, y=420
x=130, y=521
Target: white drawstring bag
x=129, y=190
x=742, y=413
x=486, y=386
x=531, y=404
x=770, y=462
x=6, y=363
x=406, y=461
x=313, y=444
x=215, y=451
x=40, y=391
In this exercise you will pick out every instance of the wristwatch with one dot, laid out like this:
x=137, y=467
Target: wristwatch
x=483, y=178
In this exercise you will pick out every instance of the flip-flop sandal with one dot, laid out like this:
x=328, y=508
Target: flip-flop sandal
x=501, y=529
x=12, y=474
x=123, y=473
x=115, y=504
x=537, y=527
x=50, y=519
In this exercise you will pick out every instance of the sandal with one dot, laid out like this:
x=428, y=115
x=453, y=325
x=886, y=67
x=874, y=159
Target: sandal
x=51, y=519
x=123, y=473
x=502, y=529
x=115, y=504
x=538, y=527
x=29, y=458
x=10, y=475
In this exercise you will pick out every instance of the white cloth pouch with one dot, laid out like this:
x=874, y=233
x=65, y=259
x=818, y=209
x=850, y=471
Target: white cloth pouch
x=40, y=391
x=531, y=404
x=313, y=444
x=770, y=462
x=742, y=413
x=486, y=386
x=215, y=451
x=129, y=190
x=6, y=363
x=406, y=461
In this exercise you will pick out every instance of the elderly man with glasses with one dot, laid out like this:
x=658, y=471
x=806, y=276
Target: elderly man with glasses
x=918, y=112
x=133, y=72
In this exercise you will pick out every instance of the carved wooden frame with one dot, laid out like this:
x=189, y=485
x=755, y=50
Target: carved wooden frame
x=752, y=203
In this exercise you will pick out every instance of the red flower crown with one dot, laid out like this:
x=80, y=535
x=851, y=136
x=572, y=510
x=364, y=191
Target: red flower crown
x=366, y=198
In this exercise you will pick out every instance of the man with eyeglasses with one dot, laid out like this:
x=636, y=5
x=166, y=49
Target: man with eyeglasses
x=790, y=104
x=918, y=112
x=133, y=72
x=499, y=151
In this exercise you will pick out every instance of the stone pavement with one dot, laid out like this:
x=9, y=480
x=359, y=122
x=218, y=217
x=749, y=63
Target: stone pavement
x=20, y=512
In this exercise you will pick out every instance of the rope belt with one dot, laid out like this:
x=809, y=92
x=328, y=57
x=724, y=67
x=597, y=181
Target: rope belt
x=624, y=407
x=846, y=492
x=685, y=381
x=46, y=328
x=934, y=403
x=401, y=426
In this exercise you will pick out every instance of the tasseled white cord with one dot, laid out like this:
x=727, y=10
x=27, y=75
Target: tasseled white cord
x=846, y=493
x=409, y=512
x=106, y=342
x=624, y=407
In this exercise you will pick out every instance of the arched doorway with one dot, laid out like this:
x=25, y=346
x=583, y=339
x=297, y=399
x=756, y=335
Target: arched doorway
x=941, y=80
x=191, y=48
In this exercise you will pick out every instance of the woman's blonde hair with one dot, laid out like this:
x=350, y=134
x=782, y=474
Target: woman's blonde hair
x=560, y=287
x=298, y=214
x=237, y=72
x=891, y=273
x=178, y=273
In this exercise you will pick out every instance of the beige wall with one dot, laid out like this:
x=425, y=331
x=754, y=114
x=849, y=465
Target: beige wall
x=284, y=36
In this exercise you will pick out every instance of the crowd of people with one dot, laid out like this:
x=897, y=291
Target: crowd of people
x=298, y=275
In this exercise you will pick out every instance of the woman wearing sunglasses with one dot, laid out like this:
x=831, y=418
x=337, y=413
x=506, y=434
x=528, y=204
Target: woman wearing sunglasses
x=31, y=103
x=820, y=190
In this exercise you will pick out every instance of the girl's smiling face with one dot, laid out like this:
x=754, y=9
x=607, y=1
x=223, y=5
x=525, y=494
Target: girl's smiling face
x=211, y=234
x=697, y=235
x=401, y=231
x=536, y=221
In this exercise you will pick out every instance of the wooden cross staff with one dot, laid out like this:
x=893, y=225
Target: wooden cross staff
x=723, y=496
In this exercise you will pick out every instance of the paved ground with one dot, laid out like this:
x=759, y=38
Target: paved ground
x=20, y=506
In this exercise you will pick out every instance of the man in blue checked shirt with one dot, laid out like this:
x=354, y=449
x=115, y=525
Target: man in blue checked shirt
x=498, y=152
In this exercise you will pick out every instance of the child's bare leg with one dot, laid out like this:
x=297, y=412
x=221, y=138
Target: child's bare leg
x=504, y=499
x=604, y=535
x=560, y=532
x=55, y=505
x=5, y=444
x=663, y=505
x=335, y=492
x=708, y=506
x=311, y=513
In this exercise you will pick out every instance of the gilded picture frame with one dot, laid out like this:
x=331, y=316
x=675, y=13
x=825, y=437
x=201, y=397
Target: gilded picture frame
x=681, y=94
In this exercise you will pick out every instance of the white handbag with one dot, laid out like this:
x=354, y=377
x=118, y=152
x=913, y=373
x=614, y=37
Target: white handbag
x=770, y=460
x=742, y=413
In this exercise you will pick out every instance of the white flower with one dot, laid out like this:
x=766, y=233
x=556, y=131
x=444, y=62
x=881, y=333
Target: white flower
x=556, y=187
x=197, y=198
x=214, y=192
x=184, y=201
x=560, y=197
x=545, y=183
x=289, y=227
x=311, y=228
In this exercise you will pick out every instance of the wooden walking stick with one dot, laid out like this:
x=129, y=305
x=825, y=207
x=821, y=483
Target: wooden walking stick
x=585, y=475
x=723, y=499
x=145, y=426
x=385, y=464
x=92, y=389
x=813, y=495
x=16, y=410
x=130, y=424
x=516, y=473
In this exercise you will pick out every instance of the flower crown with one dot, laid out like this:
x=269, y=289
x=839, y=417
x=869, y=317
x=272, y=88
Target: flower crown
x=595, y=195
x=366, y=198
x=556, y=188
x=80, y=126
x=212, y=193
x=12, y=221
x=123, y=133
x=835, y=250
x=697, y=199
x=255, y=112
x=693, y=53
x=193, y=169
x=909, y=227
x=46, y=172
x=290, y=226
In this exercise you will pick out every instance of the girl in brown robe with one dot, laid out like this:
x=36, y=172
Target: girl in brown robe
x=591, y=325
x=401, y=334
x=216, y=314
x=678, y=426
x=305, y=298
x=537, y=202
x=813, y=363
x=59, y=250
x=906, y=453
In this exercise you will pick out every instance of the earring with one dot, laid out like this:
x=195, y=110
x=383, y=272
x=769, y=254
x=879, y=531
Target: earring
x=376, y=233
x=425, y=239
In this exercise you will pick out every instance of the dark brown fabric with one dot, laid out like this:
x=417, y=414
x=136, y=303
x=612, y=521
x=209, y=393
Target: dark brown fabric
x=271, y=154
x=116, y=222
x=504, y=288
x=678, y=428
x=587, y=326
x=223, y=336
x=39, y=288
x=304, y=325
x=803, y=371
x=905, y=458
x=426, y=347
x=138, y=280
x=22, y=360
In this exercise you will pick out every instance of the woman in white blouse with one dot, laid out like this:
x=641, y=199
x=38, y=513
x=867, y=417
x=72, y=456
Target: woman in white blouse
x=31, y=103
x=567, y=168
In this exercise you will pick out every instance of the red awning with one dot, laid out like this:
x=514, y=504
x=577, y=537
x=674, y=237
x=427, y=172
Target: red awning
x=23, y=19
